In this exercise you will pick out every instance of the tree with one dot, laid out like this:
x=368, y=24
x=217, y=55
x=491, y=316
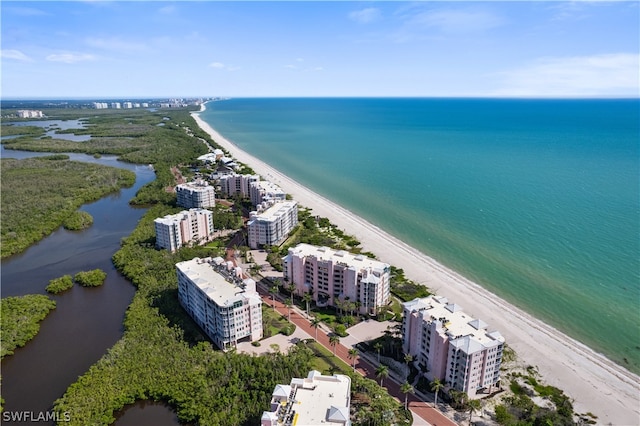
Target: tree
x=474, y=404
x=334, y=339
x=288, y=304
x=377, y=346
x=407, y=359
x=406, y=389
x=353, y=354
x=436, y=386
x=381, y=372
x=273, y=290
x=307, y=298
x=315, y=323
x=291, y=287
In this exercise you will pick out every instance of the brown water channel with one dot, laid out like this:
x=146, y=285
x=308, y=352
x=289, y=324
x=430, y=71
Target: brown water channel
x=86, y=321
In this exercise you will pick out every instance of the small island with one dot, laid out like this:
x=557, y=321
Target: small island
x=93, y=278
x=60, y=284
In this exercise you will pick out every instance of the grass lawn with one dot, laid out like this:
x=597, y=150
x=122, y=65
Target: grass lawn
x=275, y=323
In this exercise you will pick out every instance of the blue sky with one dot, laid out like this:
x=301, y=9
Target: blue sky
x=104, y=49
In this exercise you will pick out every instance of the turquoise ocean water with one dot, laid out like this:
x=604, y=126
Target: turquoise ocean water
x=535, y=200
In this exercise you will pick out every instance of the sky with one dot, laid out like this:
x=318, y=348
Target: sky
x=127, y=49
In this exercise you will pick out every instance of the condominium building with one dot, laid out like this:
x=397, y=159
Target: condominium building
x=30, y=113
x=451, y=346
x=233, y=184
x=225, y=306
x=100, y=105
x=314, y=401
x=197, y=194
x=193, y=226
x=332, y=275
x=263, y=190
x=271, y=225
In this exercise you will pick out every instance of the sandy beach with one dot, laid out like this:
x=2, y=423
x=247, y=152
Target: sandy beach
x=595, y=383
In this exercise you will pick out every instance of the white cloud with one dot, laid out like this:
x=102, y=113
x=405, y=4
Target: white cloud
x=365, y=16
x=115, y=44
x=24, y=11
x=291, y=67
x=167, y=10
x=597, y=75
x=420, y=21
x=70, y=58
x=221, y=66
x=14, y=54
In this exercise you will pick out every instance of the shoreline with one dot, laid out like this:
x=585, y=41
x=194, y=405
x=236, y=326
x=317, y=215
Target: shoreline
x=583, y=374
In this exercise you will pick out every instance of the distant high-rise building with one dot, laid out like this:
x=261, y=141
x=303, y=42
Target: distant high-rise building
x=263, y=190
x=189, y=226
x=233, y=183
x=332, y=275
x=198, y=194
x=449, y=345
x=270, y=224
x=30, y=113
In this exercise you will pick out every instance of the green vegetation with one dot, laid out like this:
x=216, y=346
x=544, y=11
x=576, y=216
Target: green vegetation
x=93, y=278
x=21, y=318
x=39, y=194
x=78, y=220
x=60, y=284
x=404, y=288
x=10, y=130
x=274, y=323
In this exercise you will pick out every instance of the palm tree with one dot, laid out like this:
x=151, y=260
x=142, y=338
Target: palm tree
x=473, y=404
x=406, y=389
x=407, y=359
x=377, y=346
x=333, y=341
x=315, y=323
x=436, y=386
x=273, y=290
x=291, y=287
x=307, y=298
x=353, y=353
x=288, y=304
x=382, y=371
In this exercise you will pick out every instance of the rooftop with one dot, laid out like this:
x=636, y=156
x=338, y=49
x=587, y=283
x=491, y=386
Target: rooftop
x=219, y=280
x=275, y=211
x=465, y=332
x=358, y=261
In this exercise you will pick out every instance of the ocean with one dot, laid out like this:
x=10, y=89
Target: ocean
x=537, y=200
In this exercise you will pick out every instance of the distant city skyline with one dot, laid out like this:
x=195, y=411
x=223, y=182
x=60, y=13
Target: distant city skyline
x=135, y=50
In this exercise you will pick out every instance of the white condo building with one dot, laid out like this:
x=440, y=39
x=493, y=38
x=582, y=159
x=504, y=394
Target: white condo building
x=314, y=401
x=225, y=306
x=198, y=194
x=451, y=346
x=30, y=113
x=263, y=190
x=188, y=226
x=271, y=226
x=237, y=184
x=332, y=275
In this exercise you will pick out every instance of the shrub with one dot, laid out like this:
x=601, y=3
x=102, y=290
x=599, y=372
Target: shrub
x=60, y=284
x=92, y=278
x=77, y=221
x=340, y=330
